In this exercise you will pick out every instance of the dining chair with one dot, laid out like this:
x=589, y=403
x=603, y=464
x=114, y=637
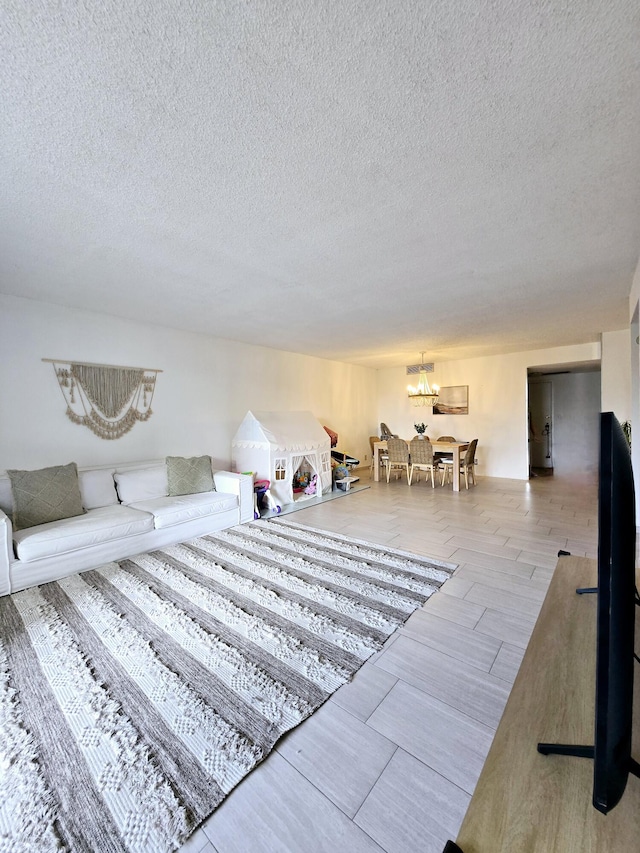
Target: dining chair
x=385, y=432
x=467, y=464
x=445, y=454
x=383, y=456
x=422, y=459
x=398, y=451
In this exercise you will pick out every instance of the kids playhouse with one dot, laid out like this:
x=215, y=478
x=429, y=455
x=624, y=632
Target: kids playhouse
x=290, y=449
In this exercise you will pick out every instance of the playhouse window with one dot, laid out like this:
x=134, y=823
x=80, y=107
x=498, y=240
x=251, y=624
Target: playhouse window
x=326, y=465
x=281, y=469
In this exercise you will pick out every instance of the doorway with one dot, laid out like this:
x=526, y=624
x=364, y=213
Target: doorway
x=540, y=428
x=564, y=408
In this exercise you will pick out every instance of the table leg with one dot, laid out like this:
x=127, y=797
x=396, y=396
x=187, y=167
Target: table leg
x=376, y=463
x=456, y=469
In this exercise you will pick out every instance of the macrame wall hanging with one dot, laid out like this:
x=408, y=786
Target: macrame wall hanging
x=107, y=399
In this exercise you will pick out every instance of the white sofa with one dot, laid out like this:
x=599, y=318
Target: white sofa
x=128, y=511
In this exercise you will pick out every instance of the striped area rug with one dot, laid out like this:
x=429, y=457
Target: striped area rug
x=134, y=697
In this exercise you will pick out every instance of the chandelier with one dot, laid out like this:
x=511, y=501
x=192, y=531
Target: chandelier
x=421, y=394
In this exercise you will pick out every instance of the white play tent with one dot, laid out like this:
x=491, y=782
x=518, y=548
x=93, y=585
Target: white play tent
x=277, y=445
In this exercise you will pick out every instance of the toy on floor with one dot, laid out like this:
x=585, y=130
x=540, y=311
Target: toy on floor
x=301, y=480
x=338, y=455
x=340, y=472
x=313, y=485
x=263, y=499
x=270, y=502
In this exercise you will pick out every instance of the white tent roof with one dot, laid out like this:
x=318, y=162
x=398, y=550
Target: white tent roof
x=285, y=431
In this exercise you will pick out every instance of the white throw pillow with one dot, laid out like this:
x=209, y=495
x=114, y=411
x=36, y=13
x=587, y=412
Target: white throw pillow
x=142, y=484
x=97, y=488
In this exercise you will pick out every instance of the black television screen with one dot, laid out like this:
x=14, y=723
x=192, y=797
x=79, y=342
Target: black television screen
x=615, y=617
x=617, y=596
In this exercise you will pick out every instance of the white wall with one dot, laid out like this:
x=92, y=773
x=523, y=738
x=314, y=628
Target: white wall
x=616, y=374
x=576, y=423
x=208, y=384
x=497, y=404
x=206, y=387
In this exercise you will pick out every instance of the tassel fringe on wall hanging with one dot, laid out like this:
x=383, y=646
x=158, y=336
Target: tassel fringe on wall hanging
x=107, y=399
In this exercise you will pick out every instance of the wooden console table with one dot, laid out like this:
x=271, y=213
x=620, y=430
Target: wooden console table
x=526, y=802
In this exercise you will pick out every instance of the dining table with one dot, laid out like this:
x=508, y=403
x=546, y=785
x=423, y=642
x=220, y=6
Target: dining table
x=453, y=447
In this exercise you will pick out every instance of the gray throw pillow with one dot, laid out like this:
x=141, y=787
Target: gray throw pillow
x=189, y=475
x=48, y=494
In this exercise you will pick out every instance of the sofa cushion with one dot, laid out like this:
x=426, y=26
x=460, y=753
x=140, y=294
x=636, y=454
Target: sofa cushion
x=93, y=528
x=142, y=484
x=189, y=475
x=48, y=494
x=173, y=510
x=97, y=488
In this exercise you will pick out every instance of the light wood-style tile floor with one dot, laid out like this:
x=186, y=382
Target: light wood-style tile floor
x=390, y=761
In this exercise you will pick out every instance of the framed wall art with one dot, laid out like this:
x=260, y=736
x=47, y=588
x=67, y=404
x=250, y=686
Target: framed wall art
x=452, y=400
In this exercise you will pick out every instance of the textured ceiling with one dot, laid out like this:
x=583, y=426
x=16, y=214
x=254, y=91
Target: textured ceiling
x=353, y=179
